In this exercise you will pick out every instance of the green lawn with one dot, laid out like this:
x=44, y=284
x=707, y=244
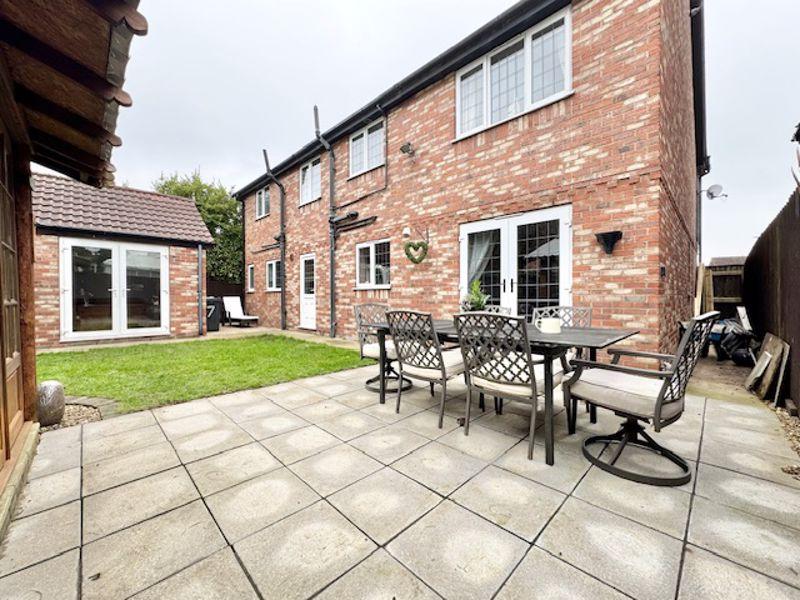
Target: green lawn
x=147, y=375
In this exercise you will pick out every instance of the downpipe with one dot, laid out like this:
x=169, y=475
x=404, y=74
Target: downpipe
x=331, y=222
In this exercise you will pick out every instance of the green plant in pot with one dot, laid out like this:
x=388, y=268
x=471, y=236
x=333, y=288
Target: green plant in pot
x=476, y=298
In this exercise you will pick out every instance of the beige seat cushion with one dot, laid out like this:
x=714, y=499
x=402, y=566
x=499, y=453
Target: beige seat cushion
x=374, y=350
x=453, y=365
x=522, y=390
x=621, y=392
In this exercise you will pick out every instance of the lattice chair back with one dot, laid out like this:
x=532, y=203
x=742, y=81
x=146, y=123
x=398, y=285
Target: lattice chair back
x=367, y=315
x=495, y=348
x=497, y=309
x=571, y=316
x=689, y=349
x=415, y=339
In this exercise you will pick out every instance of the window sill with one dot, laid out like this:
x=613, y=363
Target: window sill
x=273, y=290
x=552, y=100
x=262, y=217
x=371, y=288
x=253, y=291
x=302, y=204
x=360, y=173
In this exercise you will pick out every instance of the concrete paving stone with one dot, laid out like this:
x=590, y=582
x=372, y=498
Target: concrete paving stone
x=439, y=467
x=380, y=577
x=218, y=577
x=755, y=496
x=213, y=441
x=67, y=457
x=457, y=553
x=564, y=475
x=685, y=443
x=241, y=398
x=384, y=504
x=509, y=423
x=751, y=541
x=756, y=440
x=178, y=428
x=747, y=461
x=635, y=559
x=421, y=396
x=49, y=491
x=359, y=373
x=390, y=443
x=228, y=468
x=254, y=410
x=713, y=578
x=765, y=422
x=386, y=412
x=58, y=438
x=482, y=443
x=541, y=576
x=41, y=536
x=257, y=503
x=322, y=411
x=302, y=554
x=134, y=502
x=720, y=408
x=104, y=428
x=663, y=508
x=100, y=475
x=334, y=387
x=332, y=469
x=272, y=425
x=514, y=503
x=294, y=396
x=184, y=409
x=54, y=579
x=128, y=561
x=645, y=462
x=456, y=406
x=351, y=424
x=360, y=398
x=299, y=444
x=426, y=423
x=121, y=443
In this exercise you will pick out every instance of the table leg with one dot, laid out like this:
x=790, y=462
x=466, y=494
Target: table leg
x=593, y=408
x=549, y=442
x=382, y=365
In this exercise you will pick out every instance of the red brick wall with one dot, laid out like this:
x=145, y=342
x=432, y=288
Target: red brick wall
x=183, y=291
x=602, y=150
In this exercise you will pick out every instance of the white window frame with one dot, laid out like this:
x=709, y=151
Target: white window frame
x=273, y=287
x=262, y=202
x=365, y=133
x=529, y=105
x=371, y=285
x=312, y=198
x=251, y=277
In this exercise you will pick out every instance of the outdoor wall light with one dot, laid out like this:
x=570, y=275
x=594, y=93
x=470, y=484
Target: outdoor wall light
x=406, y=231
x=607, y=239
x=407, y=148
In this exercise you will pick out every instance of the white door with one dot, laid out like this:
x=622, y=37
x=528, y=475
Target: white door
x=522, y=261
x=308, y=292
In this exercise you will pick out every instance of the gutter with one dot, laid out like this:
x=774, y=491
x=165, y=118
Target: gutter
x=331, y=222
x=281, y=238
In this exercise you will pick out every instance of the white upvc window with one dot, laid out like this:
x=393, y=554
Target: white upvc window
x=310, y=181
x=373, y=265
x=530, y=71
x=251, y=278
x=367, y=148
x=274, y=273
x=262, y=203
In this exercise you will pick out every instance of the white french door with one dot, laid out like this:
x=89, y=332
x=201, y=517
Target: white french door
x=523, y=261
x=308, y=292
x=113, y=289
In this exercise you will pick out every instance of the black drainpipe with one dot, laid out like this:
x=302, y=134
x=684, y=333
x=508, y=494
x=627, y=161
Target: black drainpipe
x=331, y=222
x=281, y=239
x=200, y=303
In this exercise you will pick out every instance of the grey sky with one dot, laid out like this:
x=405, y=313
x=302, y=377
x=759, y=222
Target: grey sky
x=212, y=86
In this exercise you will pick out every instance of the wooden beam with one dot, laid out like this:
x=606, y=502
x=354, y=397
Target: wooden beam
x=117, y=11
x=55, y=59
x=58, y=163
x=30, y=100
x=92, y=162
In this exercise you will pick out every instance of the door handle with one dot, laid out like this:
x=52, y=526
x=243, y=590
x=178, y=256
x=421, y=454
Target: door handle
x=512, y=284
x=504, y=285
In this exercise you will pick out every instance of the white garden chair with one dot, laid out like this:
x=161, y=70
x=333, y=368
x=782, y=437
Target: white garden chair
x=235, y=312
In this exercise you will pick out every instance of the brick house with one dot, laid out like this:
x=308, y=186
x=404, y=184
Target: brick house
x=115, y=263
x=507, y=154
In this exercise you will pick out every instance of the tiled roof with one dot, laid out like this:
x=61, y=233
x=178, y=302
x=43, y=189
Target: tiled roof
x=67, y=204
x=727, y=261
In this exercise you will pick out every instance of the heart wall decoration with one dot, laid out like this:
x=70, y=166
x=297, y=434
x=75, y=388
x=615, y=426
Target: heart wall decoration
x=416, y=252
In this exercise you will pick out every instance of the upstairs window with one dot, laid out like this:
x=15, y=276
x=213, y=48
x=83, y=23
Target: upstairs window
x=526, y=73
x=372, y=265
x=310, y=182
x=274, y=276
x=367, y=149
x=262, y=203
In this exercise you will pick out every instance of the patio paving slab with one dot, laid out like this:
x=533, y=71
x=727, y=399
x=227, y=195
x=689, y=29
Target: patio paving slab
x=133, y=559
x=713, y=578
x=255, y=409
x=291, y=396
x=48, y=492
x=67, y=457
x=755, y=440
x=568, y=472
x=41, y=536
x=321, y=411
x=748, y=461
x=104, y=428
x=184, y=409
x=224, y=470
x=426, y=423
x=332, y=387
x=482, y=443
x=132, y=503
x=643, y=461
x=218, y=577
x=457, y=553
x=272, y=425
x=300, y=443
x=541, y=576
x=514, y=503
x=635, y=559
x=53, y=441
x=103, y=474
x=332, y=469
x=359, y=398
x=509, y=423
x=255, y=504
x=751, y=541
x=178, y=428
x=54, y=579
x=212, y=441
x=384, y=504
x=439, y=467
x=302, y=554
x=121, y=443
x=386, y=412
x=380, y=577
x=389, y=444
x=350, y=425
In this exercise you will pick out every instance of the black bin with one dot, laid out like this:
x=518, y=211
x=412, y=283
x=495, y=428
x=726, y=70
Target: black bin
x=214, y=309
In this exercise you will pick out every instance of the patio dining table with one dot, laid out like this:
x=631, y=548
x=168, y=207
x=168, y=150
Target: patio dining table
x=549, y=345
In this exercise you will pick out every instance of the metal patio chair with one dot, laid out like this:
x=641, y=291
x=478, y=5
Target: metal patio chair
x=498, y=361
x=420, y=355
x=367, y=315
x=641, y=396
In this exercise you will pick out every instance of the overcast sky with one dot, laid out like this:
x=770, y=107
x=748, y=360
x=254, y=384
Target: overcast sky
x=211, y=86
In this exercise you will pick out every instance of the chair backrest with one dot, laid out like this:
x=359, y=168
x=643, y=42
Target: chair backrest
x=368, y=315
x=571, y=316
x=497, y=309
x=233, y=306
x=495, y=347
x=415, y=339
x=686, y=357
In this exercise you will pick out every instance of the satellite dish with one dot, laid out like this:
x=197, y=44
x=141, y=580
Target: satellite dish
x=714, y=191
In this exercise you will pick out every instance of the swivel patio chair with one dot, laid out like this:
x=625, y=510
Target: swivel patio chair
x=641, y=396
x=420, y=355
x=367, y=316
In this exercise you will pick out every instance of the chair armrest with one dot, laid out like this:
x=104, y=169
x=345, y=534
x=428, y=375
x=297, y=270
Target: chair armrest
x=640, y=353
x=621, y=369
